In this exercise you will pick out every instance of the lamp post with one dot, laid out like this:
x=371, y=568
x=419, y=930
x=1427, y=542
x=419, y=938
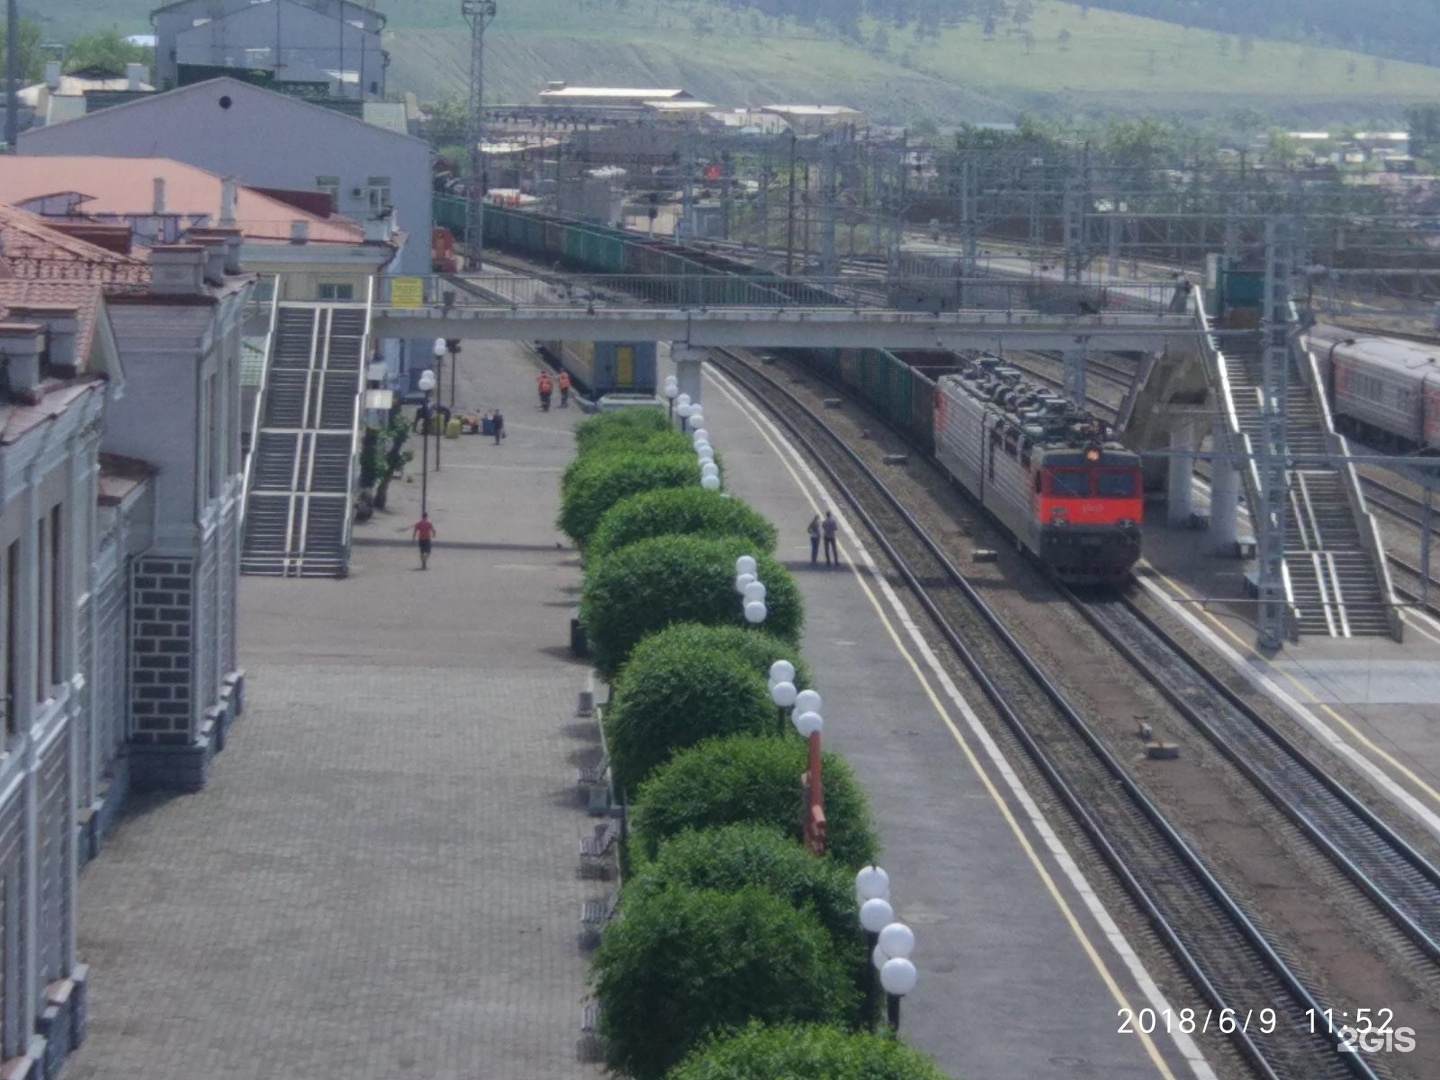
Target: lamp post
x=782, y=689
x=439, y=351
x=891, y=957
x=809, y=725
x=672, y=391
x=427, y=384
x=872, y=889
x=452, y=346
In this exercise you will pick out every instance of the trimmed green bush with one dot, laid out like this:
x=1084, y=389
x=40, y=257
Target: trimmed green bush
x=619, y=426
x=754, y=646
x=749, y=854
x=681, y=964
x=646, y=586
x=598, y=483
x=804, y=1052
x=668, y=701
x=656, y=444
x=689, y=510
x=755, y=779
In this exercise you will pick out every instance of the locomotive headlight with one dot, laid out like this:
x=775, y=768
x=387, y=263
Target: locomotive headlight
x=1092, y=454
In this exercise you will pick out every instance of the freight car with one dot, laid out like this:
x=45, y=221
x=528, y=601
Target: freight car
x=605, y=367
x=1384, y=390
x=1051, y=474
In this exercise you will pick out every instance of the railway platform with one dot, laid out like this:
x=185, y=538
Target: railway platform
x=1022, y=974
x=1373, y=702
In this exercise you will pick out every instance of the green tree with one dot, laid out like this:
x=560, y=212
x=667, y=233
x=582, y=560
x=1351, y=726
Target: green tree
x=27, y=48
x=689, y=510
x=646, y=586
x=106, y=49
x=620, y=426
x=1423, y=122
x=597, y=483
x=751, y=778
x=804, y=1052
x=753, y=646
x=449, y=123
x=685, y=963
x=666, y=702
x=749, y=854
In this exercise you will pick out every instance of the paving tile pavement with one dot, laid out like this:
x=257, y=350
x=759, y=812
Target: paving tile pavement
x=381, y=877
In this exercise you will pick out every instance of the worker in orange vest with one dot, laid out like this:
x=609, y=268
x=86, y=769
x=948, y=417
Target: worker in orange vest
x=564, y=382
x=546, y=387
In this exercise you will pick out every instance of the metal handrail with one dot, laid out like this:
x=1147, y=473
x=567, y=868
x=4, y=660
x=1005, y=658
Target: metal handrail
x=1215, y=361
x=319, y=367
x=356, y=442
x=257, y=410
x=1367, y=527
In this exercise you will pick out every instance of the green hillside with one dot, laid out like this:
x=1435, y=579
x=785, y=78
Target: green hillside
x=1064, y=60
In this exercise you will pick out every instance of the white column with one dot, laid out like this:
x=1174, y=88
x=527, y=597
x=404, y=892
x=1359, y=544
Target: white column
x=1225, y=507
x=687, y=368
x=1180, y=503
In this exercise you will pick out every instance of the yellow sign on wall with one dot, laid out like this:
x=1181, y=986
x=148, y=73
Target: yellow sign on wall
x=407, y=292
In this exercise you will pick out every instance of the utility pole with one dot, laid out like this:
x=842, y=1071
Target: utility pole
x=12, y=74
x=790, y=215
x=479, y=13
x=1274, y=477
x=829, y=269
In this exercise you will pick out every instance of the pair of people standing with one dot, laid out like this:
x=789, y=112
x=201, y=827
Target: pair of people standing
x=823, y=529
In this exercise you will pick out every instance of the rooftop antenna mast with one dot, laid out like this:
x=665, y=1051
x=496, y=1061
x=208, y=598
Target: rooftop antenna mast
x=479, y=13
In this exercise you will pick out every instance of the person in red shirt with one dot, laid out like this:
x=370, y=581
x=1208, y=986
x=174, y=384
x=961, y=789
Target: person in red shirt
x=424, y=532
x=546, y=389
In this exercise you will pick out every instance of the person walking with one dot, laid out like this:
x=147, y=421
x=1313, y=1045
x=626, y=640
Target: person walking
x=827, y=529
x=564, y=383
x=424, y=532
x=497, y=425
x=814, y=530
x=546, y=388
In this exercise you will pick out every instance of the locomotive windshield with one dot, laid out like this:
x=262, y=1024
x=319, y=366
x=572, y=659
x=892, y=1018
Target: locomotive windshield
x=1115, y=483
x=1070, y=483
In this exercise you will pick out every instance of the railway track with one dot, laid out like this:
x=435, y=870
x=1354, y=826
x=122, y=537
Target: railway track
x=1221, y=949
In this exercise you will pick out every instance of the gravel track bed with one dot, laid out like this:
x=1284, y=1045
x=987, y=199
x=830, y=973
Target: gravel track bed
x=1325, y=925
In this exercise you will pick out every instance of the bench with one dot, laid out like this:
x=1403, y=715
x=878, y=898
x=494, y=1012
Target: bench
x=594, y=849
x=593, y=775
x=590, y=1048
x=594, y=916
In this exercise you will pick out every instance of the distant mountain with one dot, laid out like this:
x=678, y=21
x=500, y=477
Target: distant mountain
x=1404, y=29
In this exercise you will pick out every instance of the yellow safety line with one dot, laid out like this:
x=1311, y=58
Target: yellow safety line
x=1248, y=649
x=995, y=795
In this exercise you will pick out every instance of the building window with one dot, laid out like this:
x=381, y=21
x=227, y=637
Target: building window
x=336, y=290
x=217, y=441
x=42, y=606
x=379, y=193
x=330, y=185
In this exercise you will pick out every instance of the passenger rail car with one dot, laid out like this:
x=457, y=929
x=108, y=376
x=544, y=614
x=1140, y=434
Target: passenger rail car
x=1384, y=390
x=1049, y=473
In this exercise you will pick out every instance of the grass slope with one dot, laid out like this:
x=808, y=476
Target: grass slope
x=1062, y=62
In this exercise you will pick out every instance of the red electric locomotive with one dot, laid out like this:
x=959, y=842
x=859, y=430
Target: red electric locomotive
x=1048, y=472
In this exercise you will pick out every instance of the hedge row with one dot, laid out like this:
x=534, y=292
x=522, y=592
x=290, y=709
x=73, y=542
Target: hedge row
x=728, y=924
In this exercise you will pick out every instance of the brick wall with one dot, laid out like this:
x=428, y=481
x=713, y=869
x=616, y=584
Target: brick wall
x=162, y=645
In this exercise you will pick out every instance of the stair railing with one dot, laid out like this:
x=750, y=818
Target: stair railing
x=257, y=410
x=357, y=440
x=1365, y=524
x=1239, y=441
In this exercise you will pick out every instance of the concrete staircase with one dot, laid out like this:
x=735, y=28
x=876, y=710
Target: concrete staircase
x=302, y=476
x=1338, y=583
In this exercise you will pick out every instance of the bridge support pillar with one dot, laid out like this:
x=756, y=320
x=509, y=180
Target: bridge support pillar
x=1225, y=507
x=1179, y=501
x=687, y=368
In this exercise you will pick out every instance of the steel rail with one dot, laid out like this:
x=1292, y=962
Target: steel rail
x=1220, y=938
x=1396, y=877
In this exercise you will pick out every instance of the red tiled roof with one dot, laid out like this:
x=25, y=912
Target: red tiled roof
x=125, y=186
x=35, y=252
x=86, y=297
